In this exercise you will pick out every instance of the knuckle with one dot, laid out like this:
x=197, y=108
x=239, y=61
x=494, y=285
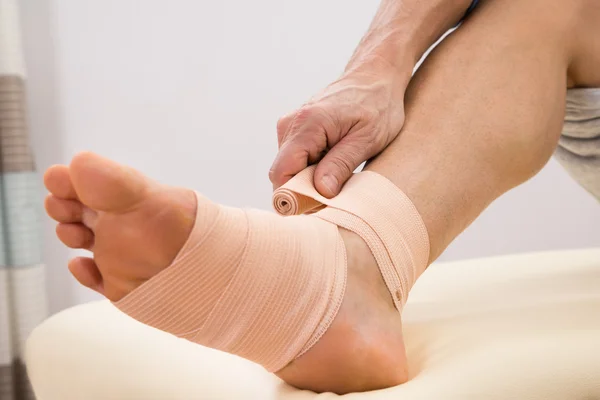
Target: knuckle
x=313, y=114
x=275, y=172
x=282, y=128
x=308, y=132
x=274, y=176
x=325, y=122
x=314, y=142
x=306, y=112
x=283, y=123
x=290, y=125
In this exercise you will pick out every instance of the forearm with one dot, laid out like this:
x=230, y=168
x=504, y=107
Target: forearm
x=403, y=30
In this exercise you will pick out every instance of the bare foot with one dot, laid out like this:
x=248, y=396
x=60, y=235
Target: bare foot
x=135, y=227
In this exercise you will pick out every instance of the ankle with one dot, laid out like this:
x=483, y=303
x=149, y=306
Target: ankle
x=363, y=349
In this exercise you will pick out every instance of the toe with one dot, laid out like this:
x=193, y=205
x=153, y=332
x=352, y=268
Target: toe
x=63, y=210
x=89, y=218
x=85, y=270
x=58, y=181
x=105, y=185
x=75, y=236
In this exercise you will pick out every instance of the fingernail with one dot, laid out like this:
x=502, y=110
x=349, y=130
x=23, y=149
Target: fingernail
x=331, y=183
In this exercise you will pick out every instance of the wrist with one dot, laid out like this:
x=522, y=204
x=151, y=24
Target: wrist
x=374, y=68
x=403, y=30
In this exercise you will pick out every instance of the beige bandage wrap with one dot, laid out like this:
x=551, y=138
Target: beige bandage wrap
x=248, y=282
x=266, y=288
x=375, y=209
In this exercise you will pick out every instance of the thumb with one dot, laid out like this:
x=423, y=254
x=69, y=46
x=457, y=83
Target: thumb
x=338, y=165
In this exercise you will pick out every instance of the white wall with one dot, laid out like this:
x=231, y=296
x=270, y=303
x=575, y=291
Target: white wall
x=189, y=93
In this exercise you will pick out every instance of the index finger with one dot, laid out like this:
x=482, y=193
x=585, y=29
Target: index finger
x=291, y=159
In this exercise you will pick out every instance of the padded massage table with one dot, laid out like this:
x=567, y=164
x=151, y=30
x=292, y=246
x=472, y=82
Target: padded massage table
x=512, y=327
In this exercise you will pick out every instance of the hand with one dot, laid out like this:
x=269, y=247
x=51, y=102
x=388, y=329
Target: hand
x=356, y=117
x=348, y=123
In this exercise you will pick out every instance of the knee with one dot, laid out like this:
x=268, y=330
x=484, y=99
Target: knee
x=584, y=68
x=535, y=21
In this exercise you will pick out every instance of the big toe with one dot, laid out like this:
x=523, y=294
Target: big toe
x=106, y=185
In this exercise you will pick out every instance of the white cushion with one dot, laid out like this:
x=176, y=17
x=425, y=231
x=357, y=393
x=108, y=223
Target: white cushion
x=513, y=327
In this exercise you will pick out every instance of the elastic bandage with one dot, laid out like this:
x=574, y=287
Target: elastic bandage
x=375, y=209
x=266, y=288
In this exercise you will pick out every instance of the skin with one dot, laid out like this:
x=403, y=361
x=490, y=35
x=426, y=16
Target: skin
x=458, y=151
x=357, y=116
x=485, y=111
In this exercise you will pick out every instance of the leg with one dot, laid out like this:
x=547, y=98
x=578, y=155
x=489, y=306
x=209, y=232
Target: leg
x=135, y=227
x=485, y=111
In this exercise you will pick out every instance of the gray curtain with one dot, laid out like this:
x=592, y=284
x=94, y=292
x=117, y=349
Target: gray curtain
x=22, y=288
